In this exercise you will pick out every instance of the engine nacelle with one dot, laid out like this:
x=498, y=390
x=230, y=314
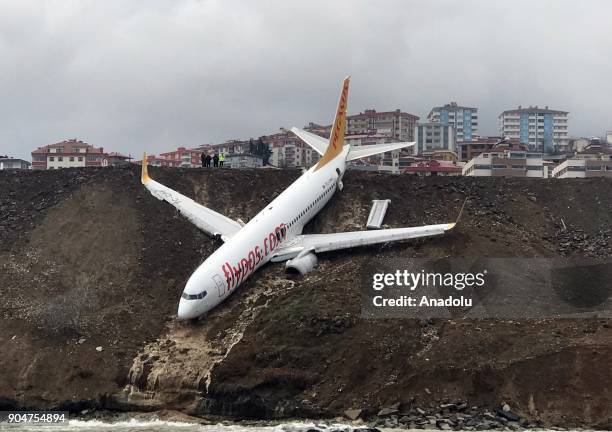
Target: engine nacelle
x=302, y=264
x=339, y=180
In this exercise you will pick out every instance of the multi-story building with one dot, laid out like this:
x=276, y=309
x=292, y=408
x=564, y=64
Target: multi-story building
x=609, y=138
x=593, y=161
x=542, y=129
x=68, y=154
x=318, y=129
x=463, y=119
x=153, y=160
x=467, y=150
x=434, y=136
x=357, y=140
x=243, y=160
x=289, y=151
x=117, y=159
x=182, y=157
x=228, y=147
x=396, y=124
x=509, y=163
x=12, y=163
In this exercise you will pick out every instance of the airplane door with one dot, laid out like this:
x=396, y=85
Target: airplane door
x=221, y=286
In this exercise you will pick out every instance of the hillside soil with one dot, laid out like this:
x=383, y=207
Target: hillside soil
x=92, y=267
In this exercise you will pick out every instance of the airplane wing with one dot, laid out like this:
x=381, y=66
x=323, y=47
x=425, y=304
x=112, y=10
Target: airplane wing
x=330, y=242
x=335, y=241
x=369, y=150
x=315, y=141
x=209, y=221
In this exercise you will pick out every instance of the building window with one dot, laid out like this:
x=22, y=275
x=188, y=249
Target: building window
x=60, y=158
x=80, y=158
x=51, y=158
x=71, y=158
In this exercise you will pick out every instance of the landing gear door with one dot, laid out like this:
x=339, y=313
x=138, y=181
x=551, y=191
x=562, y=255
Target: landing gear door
x=220, y=285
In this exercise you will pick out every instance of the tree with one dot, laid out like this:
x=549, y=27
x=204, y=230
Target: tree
x=260, y=148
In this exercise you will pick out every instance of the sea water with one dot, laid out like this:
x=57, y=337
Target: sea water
x=134, y=425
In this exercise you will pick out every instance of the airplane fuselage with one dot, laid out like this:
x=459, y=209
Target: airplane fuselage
x=254, y=245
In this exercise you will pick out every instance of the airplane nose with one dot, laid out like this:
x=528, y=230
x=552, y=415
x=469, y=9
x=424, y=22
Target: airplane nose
x=186, y=310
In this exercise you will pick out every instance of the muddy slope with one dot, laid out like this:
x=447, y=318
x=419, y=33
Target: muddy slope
x=92, y=267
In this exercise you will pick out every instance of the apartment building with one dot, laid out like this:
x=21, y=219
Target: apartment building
x=467, y=150
x=324, y=131
x=594, y=161
x=398, y=125
x=243, y=160
x=289, y=151
x=434, y=136
x=7, y=163
x=68, y=154
x=542, y=129
x=508, y=163
x=182, y=157
x=117, y=159
x=464, y=120
x=228, y=147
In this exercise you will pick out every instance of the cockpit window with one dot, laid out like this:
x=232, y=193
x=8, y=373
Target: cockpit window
x=198, y=296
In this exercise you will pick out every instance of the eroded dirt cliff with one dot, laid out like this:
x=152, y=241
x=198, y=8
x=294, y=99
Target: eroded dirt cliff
x=92, y=267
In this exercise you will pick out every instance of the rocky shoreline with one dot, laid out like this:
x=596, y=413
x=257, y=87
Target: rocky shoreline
x=450, y=416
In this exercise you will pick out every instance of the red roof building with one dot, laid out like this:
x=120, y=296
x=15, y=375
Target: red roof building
x=182, y=157
x=68, y=154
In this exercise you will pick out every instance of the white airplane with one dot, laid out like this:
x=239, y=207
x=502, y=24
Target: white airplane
x=275, y=233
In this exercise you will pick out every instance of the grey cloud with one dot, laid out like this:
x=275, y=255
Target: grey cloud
x=153, y=75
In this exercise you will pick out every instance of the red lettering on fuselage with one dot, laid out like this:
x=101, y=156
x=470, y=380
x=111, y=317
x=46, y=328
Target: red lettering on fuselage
x=235, y=274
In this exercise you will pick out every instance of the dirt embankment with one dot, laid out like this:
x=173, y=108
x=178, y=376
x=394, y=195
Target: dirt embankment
x=92, y=267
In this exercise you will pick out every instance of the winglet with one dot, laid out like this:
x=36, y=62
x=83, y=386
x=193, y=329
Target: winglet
x=144, y=176
x=452, y=225
x=336, y=139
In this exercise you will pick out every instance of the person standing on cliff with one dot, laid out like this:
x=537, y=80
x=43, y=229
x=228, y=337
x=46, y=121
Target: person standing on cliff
x=216, y=160
x=203, y=159
x=221, y=159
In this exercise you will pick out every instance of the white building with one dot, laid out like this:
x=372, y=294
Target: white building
x=464, y=120
x=542, y=129
x=508, y=163
x=68, y=154
x=434, y=136
x=239, y=160
x=12, y=163
x=593, y=161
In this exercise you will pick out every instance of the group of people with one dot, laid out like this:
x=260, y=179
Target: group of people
x=217, y=160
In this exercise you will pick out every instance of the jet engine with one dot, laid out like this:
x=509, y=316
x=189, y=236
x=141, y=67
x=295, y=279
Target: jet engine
x=339, y=180
x=302, y=264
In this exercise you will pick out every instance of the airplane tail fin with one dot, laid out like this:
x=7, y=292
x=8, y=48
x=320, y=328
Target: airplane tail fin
x=144, y=175
x=336, y=139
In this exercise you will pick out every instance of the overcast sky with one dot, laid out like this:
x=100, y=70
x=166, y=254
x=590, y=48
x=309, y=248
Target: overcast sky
x=153, y=75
